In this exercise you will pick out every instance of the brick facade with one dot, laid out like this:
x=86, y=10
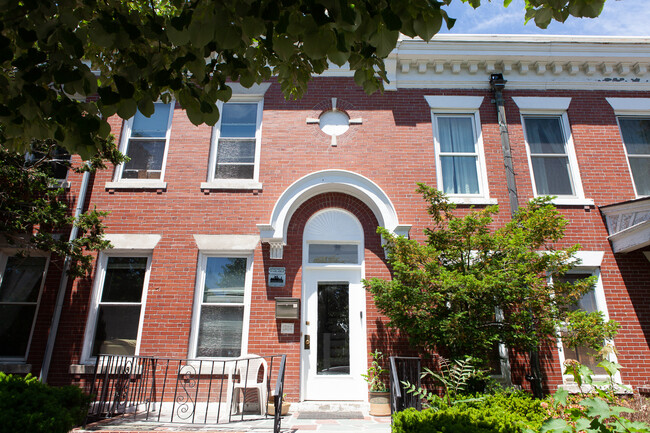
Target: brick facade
x=393, y=147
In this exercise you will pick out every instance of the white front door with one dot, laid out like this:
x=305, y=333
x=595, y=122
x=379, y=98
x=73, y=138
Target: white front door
x=333, y=335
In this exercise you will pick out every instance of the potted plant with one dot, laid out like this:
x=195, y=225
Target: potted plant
x=378, y=394
x=270, y=407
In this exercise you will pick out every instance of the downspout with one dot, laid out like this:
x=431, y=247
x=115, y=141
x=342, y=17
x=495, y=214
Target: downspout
x=497, y=84
x=63, y=283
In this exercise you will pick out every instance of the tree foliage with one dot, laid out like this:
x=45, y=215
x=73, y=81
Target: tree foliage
x=471, y=286
x=67, y=65
x=34, y=210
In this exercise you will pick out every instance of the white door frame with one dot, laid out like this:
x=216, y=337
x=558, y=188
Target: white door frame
x=340, y=227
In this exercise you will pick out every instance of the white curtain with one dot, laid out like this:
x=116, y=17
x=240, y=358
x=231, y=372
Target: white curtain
x=552, y=174
x=459, y=173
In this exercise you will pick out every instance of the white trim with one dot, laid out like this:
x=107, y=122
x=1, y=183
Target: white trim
x=226, y=243
x=590, y=259
x=555, y=108
x=541, y=104
x=218, y=183
x=453, y=103
x=630, y=106
x=257, y=90
x=127, y=125
x=631, y=238
x=347, y=182
x=133, y=241
x=632, y=113
x=98, y=287
x=136, y=184
x=466, y=106
x=198, y=301
x=4, y=257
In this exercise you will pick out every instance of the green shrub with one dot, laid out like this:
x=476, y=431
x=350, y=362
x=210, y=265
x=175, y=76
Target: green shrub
x=456, y=419
x=520, y=404
x=28, y=405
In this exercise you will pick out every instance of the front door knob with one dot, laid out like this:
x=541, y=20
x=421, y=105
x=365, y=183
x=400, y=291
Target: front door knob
x=307, y=342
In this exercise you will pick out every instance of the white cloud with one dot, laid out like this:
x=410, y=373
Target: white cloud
x=619, y=18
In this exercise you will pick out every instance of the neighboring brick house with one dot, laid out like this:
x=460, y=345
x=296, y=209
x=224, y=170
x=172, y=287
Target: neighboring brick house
x=211, y=224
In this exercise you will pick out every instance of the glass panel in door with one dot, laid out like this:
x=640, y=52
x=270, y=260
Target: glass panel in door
x=333, y=333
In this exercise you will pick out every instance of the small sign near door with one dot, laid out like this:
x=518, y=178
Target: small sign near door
x=277, y=277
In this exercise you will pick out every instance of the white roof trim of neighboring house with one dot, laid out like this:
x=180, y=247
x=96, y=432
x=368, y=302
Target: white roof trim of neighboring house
x=628, y=224
x=526, y=62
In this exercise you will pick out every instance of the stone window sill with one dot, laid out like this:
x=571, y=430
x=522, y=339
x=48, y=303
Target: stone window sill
x=136, y=184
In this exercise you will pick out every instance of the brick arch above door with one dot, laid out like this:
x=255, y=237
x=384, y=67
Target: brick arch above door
x=322, y=182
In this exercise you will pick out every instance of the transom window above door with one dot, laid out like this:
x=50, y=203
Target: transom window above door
x=334, y=253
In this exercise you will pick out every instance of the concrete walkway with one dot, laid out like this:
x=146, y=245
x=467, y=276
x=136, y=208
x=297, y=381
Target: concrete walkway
x=329, y=414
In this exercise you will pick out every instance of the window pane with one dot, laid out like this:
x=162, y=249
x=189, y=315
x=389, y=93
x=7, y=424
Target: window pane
x=641, y=174
x=227, y=171
x=585, y=356
x=225, y=279
x=333, y=253
x=117, y=329
x=124, y=279
x=456, y=134
x=459, y=175
x=333, y=338
x=552, y=176
x=636, y=135
x=544, y=135
x=238, y=120
x=241, y=151
x=21, y=281
x=146, y=159
x=15, y=326
x=154, y=126
x=220, y=331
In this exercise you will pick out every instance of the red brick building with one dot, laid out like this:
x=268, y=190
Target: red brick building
x=281, y=199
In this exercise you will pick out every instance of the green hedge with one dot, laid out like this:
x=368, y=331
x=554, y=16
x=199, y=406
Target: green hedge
x=28, y=405
x=503, y=412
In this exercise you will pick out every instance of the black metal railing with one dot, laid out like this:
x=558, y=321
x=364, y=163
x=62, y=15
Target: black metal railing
x=169, y=390
x=404, y=369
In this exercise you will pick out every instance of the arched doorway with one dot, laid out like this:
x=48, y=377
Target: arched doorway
x=333, y=325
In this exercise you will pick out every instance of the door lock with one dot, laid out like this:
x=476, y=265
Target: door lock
x=307, y=342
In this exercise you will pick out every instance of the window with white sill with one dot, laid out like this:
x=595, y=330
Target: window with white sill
x=460, y=162
x=458, y=155
x=22, y=280
x=221, y=307
x=635, y=131
x=591, y=302
x=145, y=140
x=235, y=155
x=117, y=309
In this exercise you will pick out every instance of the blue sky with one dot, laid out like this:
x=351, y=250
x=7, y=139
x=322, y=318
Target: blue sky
x=619, y=18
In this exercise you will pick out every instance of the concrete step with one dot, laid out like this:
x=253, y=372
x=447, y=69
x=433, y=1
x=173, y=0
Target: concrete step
x=330, y=406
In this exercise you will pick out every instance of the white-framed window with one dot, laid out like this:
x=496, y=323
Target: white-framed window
x=118, y=303
x=21, y=286
x=635, y=131
x=236, y=145
x=145, y=140
x=58, y=163
x=221, y=306
x=633, y=116
x=551, y=154
x=458, y=144
x=589, y=266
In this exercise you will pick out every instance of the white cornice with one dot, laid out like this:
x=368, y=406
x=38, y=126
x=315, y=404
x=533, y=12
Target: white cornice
x=526, y=61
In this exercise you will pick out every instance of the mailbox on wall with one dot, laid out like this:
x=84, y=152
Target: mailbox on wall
x=287, y=308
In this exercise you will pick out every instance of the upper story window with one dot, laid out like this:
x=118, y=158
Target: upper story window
x=551, y=154
x=460, y=163
x=636, y=138
x=145, y=140
x=21, y=285
x=57, y=159
x=235, y=155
